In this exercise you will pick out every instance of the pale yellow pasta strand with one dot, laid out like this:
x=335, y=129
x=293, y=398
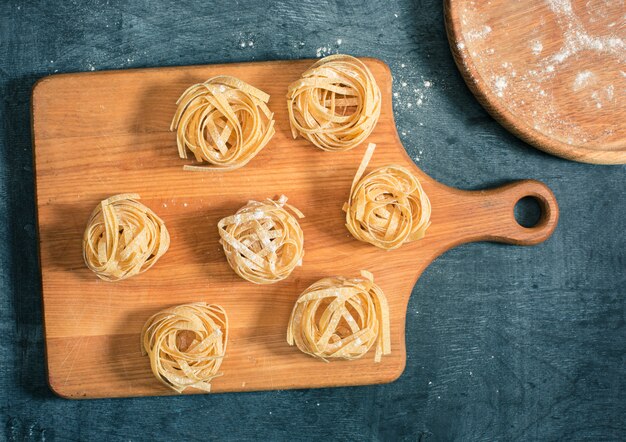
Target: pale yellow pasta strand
x=341, y=318
x=123, y=238
x=388, y=207
x=186, y=345
x=263, y=242
x=223, y=121
x=336, y=103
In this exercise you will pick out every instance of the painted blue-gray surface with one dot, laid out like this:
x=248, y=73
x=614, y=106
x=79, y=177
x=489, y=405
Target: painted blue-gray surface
x=504, y=343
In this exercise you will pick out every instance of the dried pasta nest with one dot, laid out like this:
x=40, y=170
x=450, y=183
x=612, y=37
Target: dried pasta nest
x=336, y=103
x=123, y=238
x=186, y=345
x=341, y=318
x=223, y=121
x=263, y=242
x=387, y=207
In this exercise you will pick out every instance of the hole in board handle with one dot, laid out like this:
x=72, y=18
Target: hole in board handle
x=528, y=211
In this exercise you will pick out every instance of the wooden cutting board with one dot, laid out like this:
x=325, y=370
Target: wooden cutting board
x=553, y=72
x=99, y=134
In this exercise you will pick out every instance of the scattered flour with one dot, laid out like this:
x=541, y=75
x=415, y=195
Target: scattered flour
x=577, y=39
x=407, y=95
x=246, y=41
x=328, y=49
x=478, y=34
x=321, y=51
x=596, y=97
x=536, y=78
x=560, y=6
x=410, y=95
x=500, y=85
x=582, y=79
x=609, y=92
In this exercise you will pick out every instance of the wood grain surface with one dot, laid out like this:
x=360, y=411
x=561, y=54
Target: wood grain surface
x=551, y=72
x=100, y=134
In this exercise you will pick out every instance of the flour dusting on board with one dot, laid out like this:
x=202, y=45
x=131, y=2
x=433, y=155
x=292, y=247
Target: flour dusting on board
x=475, y=34
x=500, y=85
x=537, y=47
x=583, y=79
x=577, y=39
x=551, y=73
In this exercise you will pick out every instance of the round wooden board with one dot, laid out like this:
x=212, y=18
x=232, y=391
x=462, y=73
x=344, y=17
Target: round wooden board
x=553, y=72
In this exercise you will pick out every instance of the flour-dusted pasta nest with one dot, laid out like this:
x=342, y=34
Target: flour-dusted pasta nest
x=336, y=103
x=387, y=207
x=341, y=318
x=223, y=121
x=186, y=345
x=263, y=242
x=123, y=238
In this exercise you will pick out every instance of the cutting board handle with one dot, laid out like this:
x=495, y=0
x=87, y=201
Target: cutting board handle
x=492, y=214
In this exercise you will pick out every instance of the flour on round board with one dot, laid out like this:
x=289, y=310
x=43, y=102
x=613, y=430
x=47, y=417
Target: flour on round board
x=583, y=64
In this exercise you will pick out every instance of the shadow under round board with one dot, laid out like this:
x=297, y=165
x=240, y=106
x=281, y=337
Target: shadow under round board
x=553, y=72
x=118, y=122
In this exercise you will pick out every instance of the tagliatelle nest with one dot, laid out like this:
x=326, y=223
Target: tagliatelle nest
x=223, y=121
x=387, y=207
x=336, y=103
x=341, y=318
x=123, y=238
x=263, y=242
x=186, y=345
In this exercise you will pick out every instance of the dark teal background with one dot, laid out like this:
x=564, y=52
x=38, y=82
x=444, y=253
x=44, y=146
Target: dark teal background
x=504, y=342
